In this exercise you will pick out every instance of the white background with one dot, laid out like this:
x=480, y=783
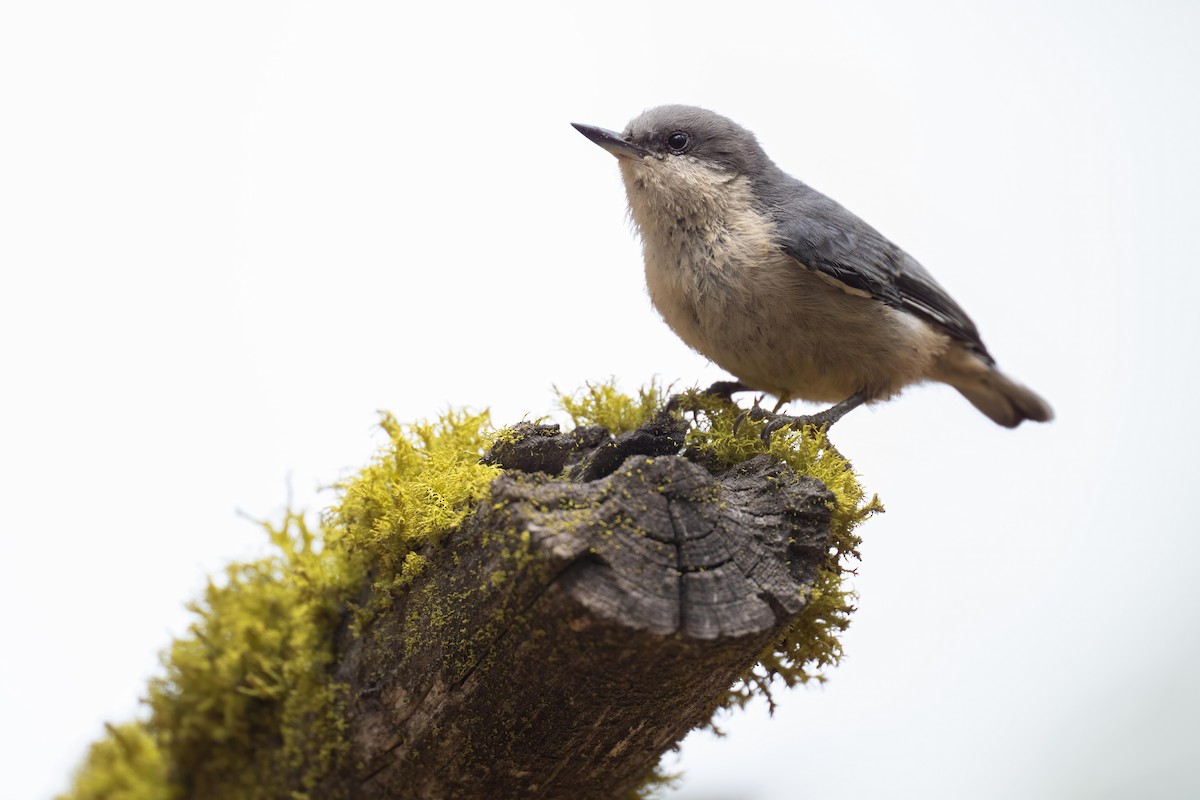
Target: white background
x=231, y=231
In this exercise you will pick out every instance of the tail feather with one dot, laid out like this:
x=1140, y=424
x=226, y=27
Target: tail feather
x=1002, y=399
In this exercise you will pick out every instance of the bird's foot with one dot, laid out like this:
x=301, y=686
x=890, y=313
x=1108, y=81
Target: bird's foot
x=822, y=419
x=754, y=412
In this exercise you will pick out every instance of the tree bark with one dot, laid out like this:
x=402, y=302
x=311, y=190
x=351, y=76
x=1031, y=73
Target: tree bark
x=573, y=630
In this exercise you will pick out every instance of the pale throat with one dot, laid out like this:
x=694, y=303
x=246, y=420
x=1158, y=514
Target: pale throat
x=695, y=213
x=682, y=192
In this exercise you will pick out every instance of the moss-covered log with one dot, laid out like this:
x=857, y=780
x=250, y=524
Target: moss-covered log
x=572, y=632
x=512, y=613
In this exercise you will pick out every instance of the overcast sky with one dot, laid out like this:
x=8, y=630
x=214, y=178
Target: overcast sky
x=231, y=231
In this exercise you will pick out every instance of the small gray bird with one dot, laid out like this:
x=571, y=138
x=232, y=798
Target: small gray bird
x=782, y=286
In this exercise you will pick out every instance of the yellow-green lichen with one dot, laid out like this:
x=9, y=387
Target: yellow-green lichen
x=445, y=616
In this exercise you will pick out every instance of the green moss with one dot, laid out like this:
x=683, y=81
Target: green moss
x=656, y=782
x=247, y=706
x=422, y=484
x=125, y=765
x=247, y=695
x=414, y=564
x=602, y=404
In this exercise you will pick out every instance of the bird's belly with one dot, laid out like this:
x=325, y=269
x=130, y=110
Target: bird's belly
x=782, y=329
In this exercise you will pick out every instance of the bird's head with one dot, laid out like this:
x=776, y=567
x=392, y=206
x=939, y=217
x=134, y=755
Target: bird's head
x=681, y=153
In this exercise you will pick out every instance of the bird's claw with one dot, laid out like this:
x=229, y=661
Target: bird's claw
x=754, y=412
x=778, y=421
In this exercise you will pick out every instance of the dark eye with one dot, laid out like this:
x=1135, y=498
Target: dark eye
x=678, y=141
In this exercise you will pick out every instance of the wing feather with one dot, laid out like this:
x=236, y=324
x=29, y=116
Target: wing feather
x=821, y=235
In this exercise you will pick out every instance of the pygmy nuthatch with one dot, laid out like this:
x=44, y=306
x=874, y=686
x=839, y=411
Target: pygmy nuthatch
x=782, y=286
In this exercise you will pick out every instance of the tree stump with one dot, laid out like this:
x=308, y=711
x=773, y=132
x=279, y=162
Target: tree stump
x=597, y=607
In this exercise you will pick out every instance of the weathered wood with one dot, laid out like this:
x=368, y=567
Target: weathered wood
x=573, y=631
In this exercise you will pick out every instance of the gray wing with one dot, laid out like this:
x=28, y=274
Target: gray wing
x=822, y=235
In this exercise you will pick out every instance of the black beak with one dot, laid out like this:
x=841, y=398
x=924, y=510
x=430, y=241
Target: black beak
x=611, y=141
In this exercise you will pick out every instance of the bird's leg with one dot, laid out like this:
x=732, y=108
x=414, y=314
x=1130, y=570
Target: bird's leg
x=726, y=389
x=723, y=390
x=826, y=417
